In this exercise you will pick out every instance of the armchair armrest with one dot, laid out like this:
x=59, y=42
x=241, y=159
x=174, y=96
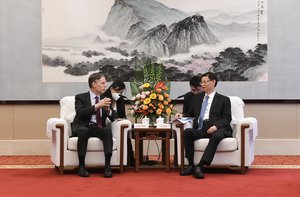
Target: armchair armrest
x=120, y=129
x=179, y=127
x=246, y=132
x=51, y=125
x=252, y=122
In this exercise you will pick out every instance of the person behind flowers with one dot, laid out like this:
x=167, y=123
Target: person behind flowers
x=188, y=97
x=212, y=113
x=92, y=109
x=114, y=92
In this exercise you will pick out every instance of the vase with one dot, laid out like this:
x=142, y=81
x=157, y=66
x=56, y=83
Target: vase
x=152, y=121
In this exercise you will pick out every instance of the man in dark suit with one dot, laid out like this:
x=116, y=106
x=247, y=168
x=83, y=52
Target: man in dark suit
x=92, y=109
x=212, y=113
x=188, y=97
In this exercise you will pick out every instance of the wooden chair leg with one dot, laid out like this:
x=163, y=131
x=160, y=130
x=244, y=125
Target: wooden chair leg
x=243, y=128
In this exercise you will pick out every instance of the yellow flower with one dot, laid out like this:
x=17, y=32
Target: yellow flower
x=147, y=101
x=166, y=102
x=153, y=96
x=146, y=85
x=168, y=111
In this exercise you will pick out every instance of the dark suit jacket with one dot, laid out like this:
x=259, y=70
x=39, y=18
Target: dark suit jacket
x=121, y=112
x=219, y=114
x=187, y=100
x=84, y=111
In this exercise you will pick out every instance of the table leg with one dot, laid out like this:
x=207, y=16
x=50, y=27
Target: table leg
x=137, y=154
x=163, y=151
x=175, y=152
x=181, y=149
x=167, y=151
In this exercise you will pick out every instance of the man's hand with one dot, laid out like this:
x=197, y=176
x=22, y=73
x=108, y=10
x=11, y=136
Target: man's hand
x=103, y=103
x=178, y=115
x=212, y=129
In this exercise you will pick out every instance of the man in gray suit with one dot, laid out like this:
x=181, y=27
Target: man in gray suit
x=92, y=109
x=212, y=113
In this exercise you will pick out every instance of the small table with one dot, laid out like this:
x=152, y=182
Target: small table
x=152, y=133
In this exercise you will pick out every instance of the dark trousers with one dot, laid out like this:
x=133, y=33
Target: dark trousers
x=190, y=135
x=84, y=133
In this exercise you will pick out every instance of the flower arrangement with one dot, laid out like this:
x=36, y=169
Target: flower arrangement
x=150, y=93
x=152, y=101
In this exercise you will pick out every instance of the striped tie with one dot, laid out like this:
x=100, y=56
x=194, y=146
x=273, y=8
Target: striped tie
x=98, y=116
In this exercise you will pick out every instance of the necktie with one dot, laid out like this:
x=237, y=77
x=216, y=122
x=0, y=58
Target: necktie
x=203, y=108
x=98, y=116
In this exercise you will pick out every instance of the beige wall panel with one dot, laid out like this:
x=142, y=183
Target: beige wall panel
x=6, y=122
x=275, y=121
x=30, y=120
x=298, y=121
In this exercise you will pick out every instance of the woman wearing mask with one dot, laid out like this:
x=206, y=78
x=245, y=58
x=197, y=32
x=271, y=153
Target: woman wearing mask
x=114, y=92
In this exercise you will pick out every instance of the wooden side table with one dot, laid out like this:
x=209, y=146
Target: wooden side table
x=152, y=133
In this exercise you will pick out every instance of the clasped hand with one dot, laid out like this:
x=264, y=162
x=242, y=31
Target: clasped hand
x=103, y=103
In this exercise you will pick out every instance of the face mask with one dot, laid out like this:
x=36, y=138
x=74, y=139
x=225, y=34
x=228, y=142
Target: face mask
x=115, y=96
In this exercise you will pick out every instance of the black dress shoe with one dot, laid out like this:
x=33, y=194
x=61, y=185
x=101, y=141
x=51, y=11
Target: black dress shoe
x=198, y=173
x=188, y=171
x=83, y=172
x=107, y=172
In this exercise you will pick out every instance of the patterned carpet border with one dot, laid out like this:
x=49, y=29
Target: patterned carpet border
x=44, y=161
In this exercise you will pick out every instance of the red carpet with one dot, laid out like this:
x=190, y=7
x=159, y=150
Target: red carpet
x=149, y=182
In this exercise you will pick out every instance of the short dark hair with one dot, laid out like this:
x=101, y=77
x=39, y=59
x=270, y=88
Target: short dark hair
x=117, y=84
x=93, y=77
x=211, y=77
x=195, y=81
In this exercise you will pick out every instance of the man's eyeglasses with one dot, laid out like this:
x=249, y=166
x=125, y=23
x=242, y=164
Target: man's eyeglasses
x=204, y=82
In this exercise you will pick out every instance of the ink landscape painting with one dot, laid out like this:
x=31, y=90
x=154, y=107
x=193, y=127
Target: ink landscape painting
x=190, y=37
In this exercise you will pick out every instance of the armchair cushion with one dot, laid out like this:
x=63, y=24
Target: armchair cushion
x=227, y=144
x=94, y=144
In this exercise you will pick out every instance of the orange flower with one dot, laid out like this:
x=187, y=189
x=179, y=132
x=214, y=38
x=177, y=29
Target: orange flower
x=145, y=107
x=158, y=111
x=160, y=85
x=161, y=106
x=158, y=90
x=160, y=97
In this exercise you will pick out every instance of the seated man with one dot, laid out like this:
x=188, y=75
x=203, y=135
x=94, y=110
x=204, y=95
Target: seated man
x=92, y=109
x=212, y=113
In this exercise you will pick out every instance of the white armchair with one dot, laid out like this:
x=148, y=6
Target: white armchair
x=235, y=152
x=64, y=147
